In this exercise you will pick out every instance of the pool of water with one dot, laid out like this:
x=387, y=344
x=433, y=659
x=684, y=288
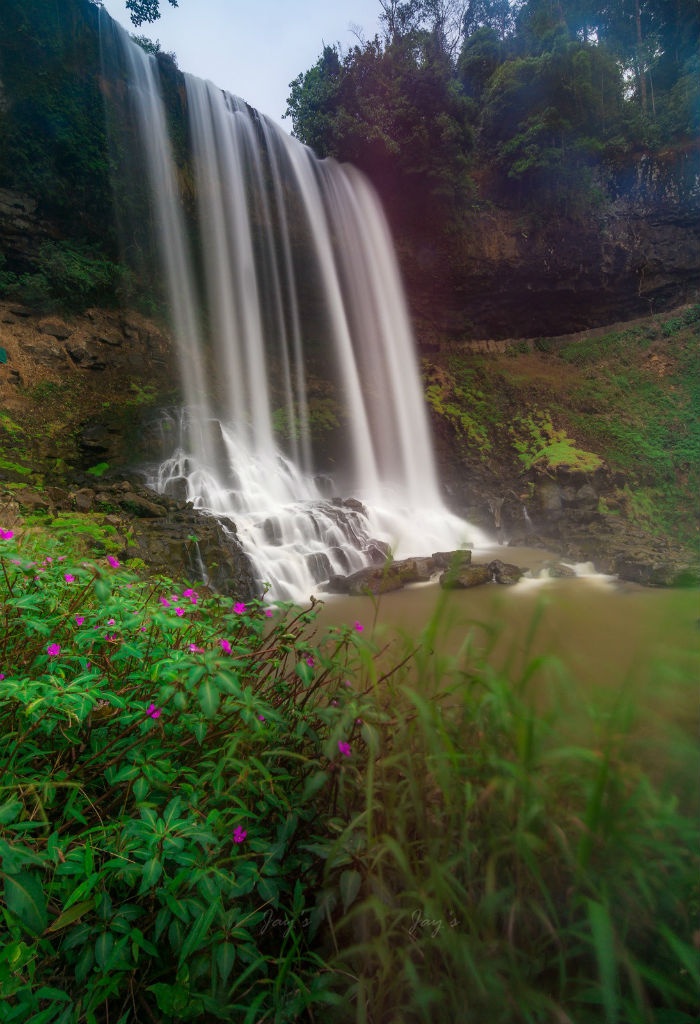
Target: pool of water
x=617, y=649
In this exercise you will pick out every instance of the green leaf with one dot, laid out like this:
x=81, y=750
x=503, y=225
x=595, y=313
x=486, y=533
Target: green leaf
x=103, y=949
x=151, y=872
x=225, y=959
x=24, y=897
x=313, y=784
x=269, y=890
x=10, y=811
x=103, y=588
x=67, y=917
x=604, y=945
x=209, y=697
x=350, y=882
x=198, y=931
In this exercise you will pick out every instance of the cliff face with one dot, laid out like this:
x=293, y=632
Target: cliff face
x=512, y=276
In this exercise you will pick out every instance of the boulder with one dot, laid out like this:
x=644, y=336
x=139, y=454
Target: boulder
x=505, y=572
x=465, y=577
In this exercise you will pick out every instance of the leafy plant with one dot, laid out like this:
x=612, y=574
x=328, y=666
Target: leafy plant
x=209, y=812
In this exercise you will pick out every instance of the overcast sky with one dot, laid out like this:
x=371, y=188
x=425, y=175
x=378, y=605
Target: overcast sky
x=254, y=48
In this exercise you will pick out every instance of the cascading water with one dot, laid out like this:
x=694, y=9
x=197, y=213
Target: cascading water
x=287, y=260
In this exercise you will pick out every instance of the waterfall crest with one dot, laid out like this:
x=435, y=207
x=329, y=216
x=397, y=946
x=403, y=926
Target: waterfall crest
x=291, y=325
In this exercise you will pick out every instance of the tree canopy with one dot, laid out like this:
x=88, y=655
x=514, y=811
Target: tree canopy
x=148, y=11
x=526, y=96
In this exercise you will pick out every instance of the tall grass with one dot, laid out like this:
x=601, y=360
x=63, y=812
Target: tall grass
x=208, y=811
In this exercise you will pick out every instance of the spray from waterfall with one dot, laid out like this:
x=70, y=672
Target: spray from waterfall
x=299, y=374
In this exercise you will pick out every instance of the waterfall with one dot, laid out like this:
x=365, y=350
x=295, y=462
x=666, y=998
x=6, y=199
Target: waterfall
x=299, y=374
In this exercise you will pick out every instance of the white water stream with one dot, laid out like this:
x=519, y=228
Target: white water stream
x=287, y=306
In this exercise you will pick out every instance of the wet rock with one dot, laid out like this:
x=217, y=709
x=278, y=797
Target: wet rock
x=654, y=571
x=505, y=572
x=548, y=494
x=351, y=503
x=141, y=506
x=557, y=570
x=84, y=499
x=465, y=577
x=30, y=500
x=383, y=579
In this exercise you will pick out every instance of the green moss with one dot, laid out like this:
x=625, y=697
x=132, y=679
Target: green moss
x=14, y=467
x=99, y=470
x=540, y=445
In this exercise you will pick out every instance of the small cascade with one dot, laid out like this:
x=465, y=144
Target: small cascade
x=298, y=365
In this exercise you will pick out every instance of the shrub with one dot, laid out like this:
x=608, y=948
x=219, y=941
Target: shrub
x=207, y=813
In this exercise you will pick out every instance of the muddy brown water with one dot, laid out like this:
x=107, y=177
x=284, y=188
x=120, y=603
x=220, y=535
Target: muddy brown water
x=628, y=655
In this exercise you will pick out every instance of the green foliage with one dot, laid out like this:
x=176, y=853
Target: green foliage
x=98, y=470
x=207, y=812
x=456, y=398
x=542, y=446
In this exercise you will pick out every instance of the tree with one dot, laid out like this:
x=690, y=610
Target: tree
x=145, y=10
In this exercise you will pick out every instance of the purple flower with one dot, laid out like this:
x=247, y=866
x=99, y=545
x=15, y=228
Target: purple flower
x=114, y=562
x=6, y=534
x=152, y=711
x=79, y=620
x=164, y=601
x=261, y=718
x=239, y=834
x=69, y=577
x=180, y=611
x=53, y=650
x=269, y=613
x=310, y=661
x=225, y=646
x=111, y=622
x=191, y=594
x=239, y=608
x=196, y=650
x=344, y=748
x=2, y=675
x=359, y=627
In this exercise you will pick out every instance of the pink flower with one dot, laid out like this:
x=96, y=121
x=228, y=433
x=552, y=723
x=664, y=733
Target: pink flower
x=53, y=650
x=6, y=534
x=239, y=834
x=114, y=562
x=239, y=608
x=2, y=675
x=69, y=577
x=268, y=613
x=152, y=711
x=48, y=560
x=191, y=594
x=261, y=718
x=359, y=627
x=111, y=622
x=310, y=661
x=344, y=748
x=180, y=611
x=164, y=601
x=111, y=637
x=196, y=650
x=79, y=620
x=225, y=646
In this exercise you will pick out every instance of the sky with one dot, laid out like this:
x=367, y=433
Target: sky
x=254, y=48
